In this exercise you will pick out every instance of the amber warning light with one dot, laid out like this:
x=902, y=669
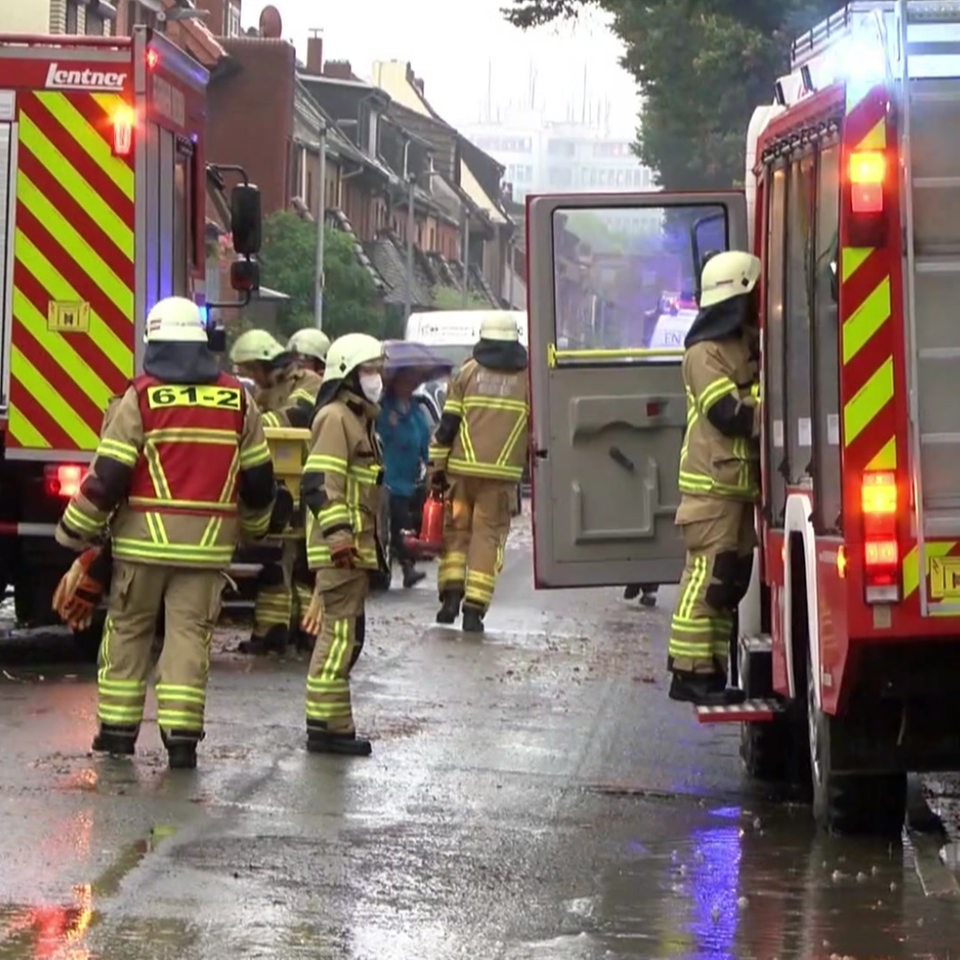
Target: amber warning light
x=153, y=59
x=868, y=170
x=123, y=120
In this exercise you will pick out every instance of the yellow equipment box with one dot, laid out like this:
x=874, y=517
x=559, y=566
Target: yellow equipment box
x=288, y=448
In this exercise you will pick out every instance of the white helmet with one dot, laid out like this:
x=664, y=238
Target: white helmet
x=175, y=320
x=350, y=351
x=499, y=326
x=309, y=342
x=728, y=275
x=254, y=346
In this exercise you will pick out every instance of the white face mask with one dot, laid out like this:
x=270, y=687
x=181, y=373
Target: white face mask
x=372, y=386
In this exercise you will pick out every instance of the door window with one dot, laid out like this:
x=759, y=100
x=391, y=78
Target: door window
x=826, y=349
x=773, y=347
x=625, y=280
x=799, y=307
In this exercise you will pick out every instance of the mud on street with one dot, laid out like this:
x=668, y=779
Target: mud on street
x=532, y=793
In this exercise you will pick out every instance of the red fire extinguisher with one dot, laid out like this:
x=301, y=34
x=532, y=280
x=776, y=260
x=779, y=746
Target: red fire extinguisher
x=429, y=543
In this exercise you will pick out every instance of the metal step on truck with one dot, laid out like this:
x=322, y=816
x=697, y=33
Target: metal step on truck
x=848, y=647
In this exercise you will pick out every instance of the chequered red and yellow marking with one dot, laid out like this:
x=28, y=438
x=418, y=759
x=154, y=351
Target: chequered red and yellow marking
x=74, y=243
x=867, y=334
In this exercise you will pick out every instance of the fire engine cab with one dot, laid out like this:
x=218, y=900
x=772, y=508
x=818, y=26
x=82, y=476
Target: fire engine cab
x=849, y=641
x=103, y=183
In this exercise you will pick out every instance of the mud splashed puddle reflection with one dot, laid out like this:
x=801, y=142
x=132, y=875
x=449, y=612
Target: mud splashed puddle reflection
x=60, y=931
x=755, y=887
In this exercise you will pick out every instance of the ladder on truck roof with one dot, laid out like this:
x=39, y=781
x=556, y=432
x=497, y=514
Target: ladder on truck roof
x=928, y=91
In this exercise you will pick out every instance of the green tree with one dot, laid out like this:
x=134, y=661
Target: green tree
x=702, y=67
x=288, y=264
x=451, y=298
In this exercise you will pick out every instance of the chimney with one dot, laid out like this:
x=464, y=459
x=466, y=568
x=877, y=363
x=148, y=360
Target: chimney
x=315, y=52
x=338, y=70
x=414, y=80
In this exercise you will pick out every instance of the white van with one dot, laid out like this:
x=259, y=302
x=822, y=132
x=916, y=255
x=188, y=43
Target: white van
x=453, y=333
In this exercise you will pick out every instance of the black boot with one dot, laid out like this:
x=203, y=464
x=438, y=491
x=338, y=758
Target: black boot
x=411, y=575
x=649, y=598
x=631, y=591
x=181, y=748
x=344, y=744
x=449, y=606
x=275, y=641
x=115, y=740
x=305, y=642
x=472, y=618
x=704, y=690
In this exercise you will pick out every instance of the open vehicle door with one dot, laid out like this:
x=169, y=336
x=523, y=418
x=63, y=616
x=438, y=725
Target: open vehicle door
x=609, y=411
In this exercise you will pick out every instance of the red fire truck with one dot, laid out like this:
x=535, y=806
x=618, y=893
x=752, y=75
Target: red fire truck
x=849, y=649
x=103, y=186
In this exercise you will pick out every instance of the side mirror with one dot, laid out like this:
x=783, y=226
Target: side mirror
x=246, y=219
x=217, y=339
x=245, y=275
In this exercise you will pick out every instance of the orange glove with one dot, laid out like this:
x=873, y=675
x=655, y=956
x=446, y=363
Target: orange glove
x=81, y=588
x=344, y=556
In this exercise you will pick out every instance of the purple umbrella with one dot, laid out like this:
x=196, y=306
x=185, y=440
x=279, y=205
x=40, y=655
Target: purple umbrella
x=410, y=356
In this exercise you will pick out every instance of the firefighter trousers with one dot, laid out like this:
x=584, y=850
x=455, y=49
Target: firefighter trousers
x=715, y=579
x=191, y=601
x=343, y=594
x=283, y=593
x=475, y=531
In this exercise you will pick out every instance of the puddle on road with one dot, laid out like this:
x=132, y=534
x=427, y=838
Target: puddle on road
x=61, y=931
x=743, y=888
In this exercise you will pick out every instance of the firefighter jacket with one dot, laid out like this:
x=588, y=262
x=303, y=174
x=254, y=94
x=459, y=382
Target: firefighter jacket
x=181, y=470
x=720, y=455
x=342, y=480
x=290, y=398
x=483, y=429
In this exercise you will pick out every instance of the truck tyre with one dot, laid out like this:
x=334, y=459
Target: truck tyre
x=850, y=803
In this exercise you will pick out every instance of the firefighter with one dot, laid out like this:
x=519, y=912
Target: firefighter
x=310, y=346
x=719, y=478
x=478, y=453
x=172, y=527
x=286, y=394
x=341, y=490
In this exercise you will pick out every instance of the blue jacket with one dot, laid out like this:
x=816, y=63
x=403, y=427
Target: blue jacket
x=405, y=436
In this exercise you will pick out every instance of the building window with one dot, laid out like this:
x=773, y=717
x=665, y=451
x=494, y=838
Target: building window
x=233, y=20
x=73, y=16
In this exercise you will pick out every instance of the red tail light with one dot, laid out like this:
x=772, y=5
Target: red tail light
x=63, y=480
x=881, y=550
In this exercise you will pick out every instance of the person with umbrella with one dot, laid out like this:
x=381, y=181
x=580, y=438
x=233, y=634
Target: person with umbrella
x=405, y=436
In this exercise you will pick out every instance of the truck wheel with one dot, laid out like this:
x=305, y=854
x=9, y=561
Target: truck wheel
x=87, y=641
x=850, y=803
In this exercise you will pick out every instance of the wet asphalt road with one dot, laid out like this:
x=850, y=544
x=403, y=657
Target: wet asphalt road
x=532, y=794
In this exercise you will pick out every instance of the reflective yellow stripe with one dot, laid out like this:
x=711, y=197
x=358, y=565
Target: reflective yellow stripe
x=120, y=354
x=321, y=463
x=715, y=391
x=60, y=347
x=471, y=468
x=95, y=145
x=864, y=322
x=70, y=239
x=160, y=486
x=254, y=455
x=193, y=435
x=37, y=143
x=868, y=401
x=125, y=453
x=52, y=400
x=128, y=549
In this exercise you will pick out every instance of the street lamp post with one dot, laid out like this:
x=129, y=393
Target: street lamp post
x=321, y=222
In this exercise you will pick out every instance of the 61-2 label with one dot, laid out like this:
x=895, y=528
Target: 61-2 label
x=223, y=398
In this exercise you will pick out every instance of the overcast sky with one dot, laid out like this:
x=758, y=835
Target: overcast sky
x=463, y=48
